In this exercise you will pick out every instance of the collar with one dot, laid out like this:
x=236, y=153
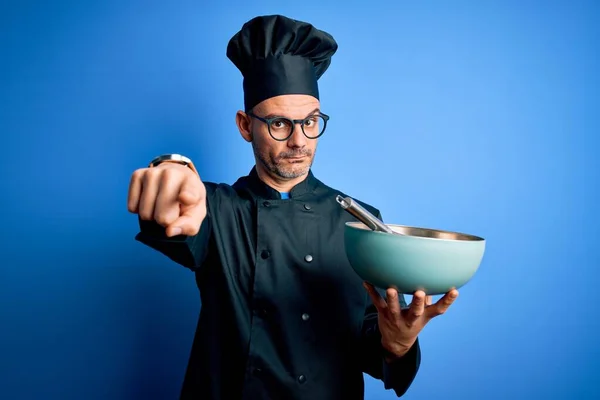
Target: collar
x=262, y=190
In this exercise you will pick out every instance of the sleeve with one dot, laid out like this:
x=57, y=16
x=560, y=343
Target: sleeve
x=397, y=375
x=188, y=251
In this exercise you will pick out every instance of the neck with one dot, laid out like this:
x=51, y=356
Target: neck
x=282, y=185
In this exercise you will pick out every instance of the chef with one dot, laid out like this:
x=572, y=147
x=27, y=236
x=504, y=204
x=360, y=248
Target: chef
x=283, y=314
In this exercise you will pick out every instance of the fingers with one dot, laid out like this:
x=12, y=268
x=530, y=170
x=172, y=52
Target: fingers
x=393, y=304
x=416, y=308
x=192, y=197
x=442, y=304
x=189, y=222
x=147, y=198
x=428, y=300
x=135, y=190
x=376, y=298
x=172, y=195
x=191, y=192
x=166, y=206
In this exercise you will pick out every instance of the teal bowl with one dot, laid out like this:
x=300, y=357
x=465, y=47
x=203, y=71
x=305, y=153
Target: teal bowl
x=431, y=260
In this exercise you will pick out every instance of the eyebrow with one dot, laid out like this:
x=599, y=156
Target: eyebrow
x=316, y=110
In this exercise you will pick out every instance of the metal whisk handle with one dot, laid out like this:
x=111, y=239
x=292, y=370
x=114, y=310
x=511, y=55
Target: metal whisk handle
x=362, y=214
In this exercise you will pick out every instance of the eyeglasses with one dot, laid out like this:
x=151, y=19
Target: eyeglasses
x=282, y=128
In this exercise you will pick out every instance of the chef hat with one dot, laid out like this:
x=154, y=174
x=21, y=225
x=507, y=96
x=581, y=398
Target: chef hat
x=278, y=55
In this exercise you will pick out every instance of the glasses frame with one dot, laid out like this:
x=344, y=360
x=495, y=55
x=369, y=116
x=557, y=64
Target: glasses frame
x=293, y=122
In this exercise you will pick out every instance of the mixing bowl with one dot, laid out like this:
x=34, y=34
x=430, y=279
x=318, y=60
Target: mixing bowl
x=431, y=260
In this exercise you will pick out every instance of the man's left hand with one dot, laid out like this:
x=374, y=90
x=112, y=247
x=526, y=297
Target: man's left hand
x=400, y=327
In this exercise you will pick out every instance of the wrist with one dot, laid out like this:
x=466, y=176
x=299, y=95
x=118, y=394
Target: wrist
x=392, y=352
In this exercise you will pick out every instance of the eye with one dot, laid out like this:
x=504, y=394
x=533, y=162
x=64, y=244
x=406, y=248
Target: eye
x=280, y=123
x=312, y=122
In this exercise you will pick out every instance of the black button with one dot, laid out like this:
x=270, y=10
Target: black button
x=307, y=207
x=265, y=254
x=305, y=317
x=308, y=258
x=257, y=371
x=262, y=312
x=266, y=204
x=301, y=379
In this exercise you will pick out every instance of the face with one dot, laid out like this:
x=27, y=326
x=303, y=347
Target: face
x=287, y=159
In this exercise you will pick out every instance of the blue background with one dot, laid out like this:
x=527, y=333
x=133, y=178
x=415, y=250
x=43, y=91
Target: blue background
x=475, y=116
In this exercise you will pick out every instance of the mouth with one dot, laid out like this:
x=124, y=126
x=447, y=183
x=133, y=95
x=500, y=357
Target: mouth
x=295, y=159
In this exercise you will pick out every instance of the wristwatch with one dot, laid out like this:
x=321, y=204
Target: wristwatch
x=173, y=158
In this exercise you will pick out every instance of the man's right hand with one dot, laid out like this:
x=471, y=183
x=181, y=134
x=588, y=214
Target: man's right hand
x=170, y=194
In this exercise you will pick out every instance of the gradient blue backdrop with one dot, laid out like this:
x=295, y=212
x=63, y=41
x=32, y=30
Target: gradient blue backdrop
x=475, y=116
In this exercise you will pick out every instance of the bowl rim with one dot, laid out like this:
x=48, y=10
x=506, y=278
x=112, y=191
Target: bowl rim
x=357, y=225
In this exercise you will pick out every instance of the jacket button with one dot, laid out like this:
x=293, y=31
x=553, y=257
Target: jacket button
x=305, y=317
x=308, y=258
x=307, y=207
x=301, y=379
x=266, y=204
x=257, y=371
x=265, y=254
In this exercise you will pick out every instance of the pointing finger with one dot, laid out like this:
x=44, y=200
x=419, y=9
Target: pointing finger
x=191, y=191
x=189, y=222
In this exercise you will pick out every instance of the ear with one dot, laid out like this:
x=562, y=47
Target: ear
x=243, y=122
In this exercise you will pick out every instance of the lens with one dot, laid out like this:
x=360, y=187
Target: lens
x=314, y=126
x=281, y=128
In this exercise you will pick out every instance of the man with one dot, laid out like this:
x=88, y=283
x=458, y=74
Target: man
x=283, y=314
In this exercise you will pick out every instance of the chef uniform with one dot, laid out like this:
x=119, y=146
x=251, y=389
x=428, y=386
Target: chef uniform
x=283, y=314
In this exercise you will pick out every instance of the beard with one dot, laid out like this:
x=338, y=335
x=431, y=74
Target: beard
x=279, y=166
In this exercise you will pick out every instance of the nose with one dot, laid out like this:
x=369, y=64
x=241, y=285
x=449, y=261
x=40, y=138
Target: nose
x=297, y=140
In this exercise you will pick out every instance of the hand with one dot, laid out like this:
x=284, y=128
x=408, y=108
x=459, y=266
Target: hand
x=400, y=328
x=170, y=194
